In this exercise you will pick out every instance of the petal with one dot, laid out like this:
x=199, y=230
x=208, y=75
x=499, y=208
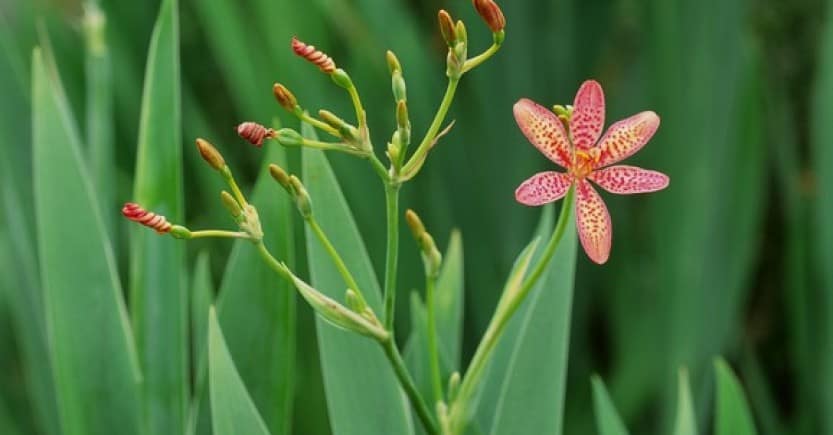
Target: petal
x=593, y=223
x=544, y=130
x=625, y=180
x=588, y=117
x=543, y=188
x=626, y=137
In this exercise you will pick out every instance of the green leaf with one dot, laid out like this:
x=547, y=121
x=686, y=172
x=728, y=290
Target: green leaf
x=686, y=421
x=608, y=421
x=256, y=307
x=202, y=298
x=450, y=293
x=158, y=303
x=95, y=364
x=732, y=415
x=532, y=395
x=363, y=396
x=232, y=409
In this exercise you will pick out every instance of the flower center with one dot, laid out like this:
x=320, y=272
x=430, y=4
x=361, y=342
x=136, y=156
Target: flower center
x=584, y=162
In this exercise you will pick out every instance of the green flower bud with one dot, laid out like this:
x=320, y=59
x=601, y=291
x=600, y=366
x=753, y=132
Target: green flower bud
x=210, y=154
x=280, y=176
x=393, y=62
x=289, y=137
x=231, y=204
x=341, y=78
x=180, y=232
x=302, y=199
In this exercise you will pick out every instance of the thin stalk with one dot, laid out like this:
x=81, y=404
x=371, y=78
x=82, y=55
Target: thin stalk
x=392, y=257
x=434, y=128
x=503, y=315
x=361, y=118
x=379, y=167
x=480, y=58
x=317, y=123
x=433, y=351
x=392, y=353
x=348, y=278
x=235, y=189
x=219, y=233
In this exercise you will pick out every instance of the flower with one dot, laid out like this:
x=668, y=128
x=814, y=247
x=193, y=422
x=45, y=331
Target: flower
x=586, y=158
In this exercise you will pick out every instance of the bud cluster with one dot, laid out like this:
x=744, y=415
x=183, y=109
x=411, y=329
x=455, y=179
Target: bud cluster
x=295, y=188
x=402, y=135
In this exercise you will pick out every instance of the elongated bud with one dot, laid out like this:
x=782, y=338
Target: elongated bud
x=453, y=386
x=347, y=131
x=447, y=27
x=302, y=199
x=289, y=137
x=432, y=256
x=400, y=91
x=462, y=34
x=254, y=133
x=415, y=224
x=149, y=219
x=230, y=204
x=210, y=154
x=393, y=62
x=353, y=301
x=491, y=14
x=280, y=176
x=285, y=98
x=342, y=79
x=316, y=57
x=394, y=150
x=402, y=120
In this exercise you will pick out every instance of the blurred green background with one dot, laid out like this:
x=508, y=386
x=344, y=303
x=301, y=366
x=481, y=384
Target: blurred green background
x=735, y=258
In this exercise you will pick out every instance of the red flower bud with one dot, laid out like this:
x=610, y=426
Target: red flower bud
x=491, y=14
x=254, y=133
x=149, y=219
x=317, y=57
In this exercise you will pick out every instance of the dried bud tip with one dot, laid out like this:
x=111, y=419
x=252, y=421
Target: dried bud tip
x=446, y=27
x=285, y=98
x=415, y=223
x=491, y=14
x=279, y=175
x=149, y=219
x=210, y=154
x=254, y=133
x=317, y=57
x=393, y=62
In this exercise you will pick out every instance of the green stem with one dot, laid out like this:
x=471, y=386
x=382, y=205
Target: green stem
x=392, y=353
x=480, y=58
x=235, y=189
x=323, y=126
x=219, y=233
x=329, y=146
x=357, y=104
x=379, y=167
x=424, y=146
x=433, y=351
x=348, y=278
x=392, y=257
x=504, y=314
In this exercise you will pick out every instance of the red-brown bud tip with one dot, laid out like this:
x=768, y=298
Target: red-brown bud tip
x=285, y=98
x=491, y=14
x=149, y=219
x=311, y=54
x=446, y=27
x=210, y=154
x=254, y=133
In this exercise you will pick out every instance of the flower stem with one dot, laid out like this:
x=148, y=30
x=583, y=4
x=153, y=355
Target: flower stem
x=392, y=353
x=392, y=257
x=219, y=233
x=480, y=58
x=323, y=126
x=419, y=154
x=235, y=189
x=348, y=278
x=503, y=315
x=361, y=118
x=433, y=351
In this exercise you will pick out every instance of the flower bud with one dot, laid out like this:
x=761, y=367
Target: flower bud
x=353, y=301
x=447, y=27
x=154, y=221
x=491, y=14
x=347, y=131
x=402, y=120
x=316, y=57
x=453, y=386
x=280, y=176
x=254, y=133
x=431, y=255
x=400, y=92
x=393, y=62
x=285, y=98
x=415, y=223
x=462, y=34
x=289, y=137
x=302, y=199
x=394, y=151
x=231, y=204
x=210, y=154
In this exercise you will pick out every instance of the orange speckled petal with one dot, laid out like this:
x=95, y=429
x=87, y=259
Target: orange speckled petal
x=626, y=137
x=593, y=222
x=544, y=130
x=543, y=188
x=588, y=117
x=625, y=180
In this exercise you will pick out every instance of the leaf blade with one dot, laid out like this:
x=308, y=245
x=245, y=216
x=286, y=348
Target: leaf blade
x=732, y=414
x=608, y=420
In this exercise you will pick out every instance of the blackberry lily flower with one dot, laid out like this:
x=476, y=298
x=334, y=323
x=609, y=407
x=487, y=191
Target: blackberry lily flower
x=587, y=158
